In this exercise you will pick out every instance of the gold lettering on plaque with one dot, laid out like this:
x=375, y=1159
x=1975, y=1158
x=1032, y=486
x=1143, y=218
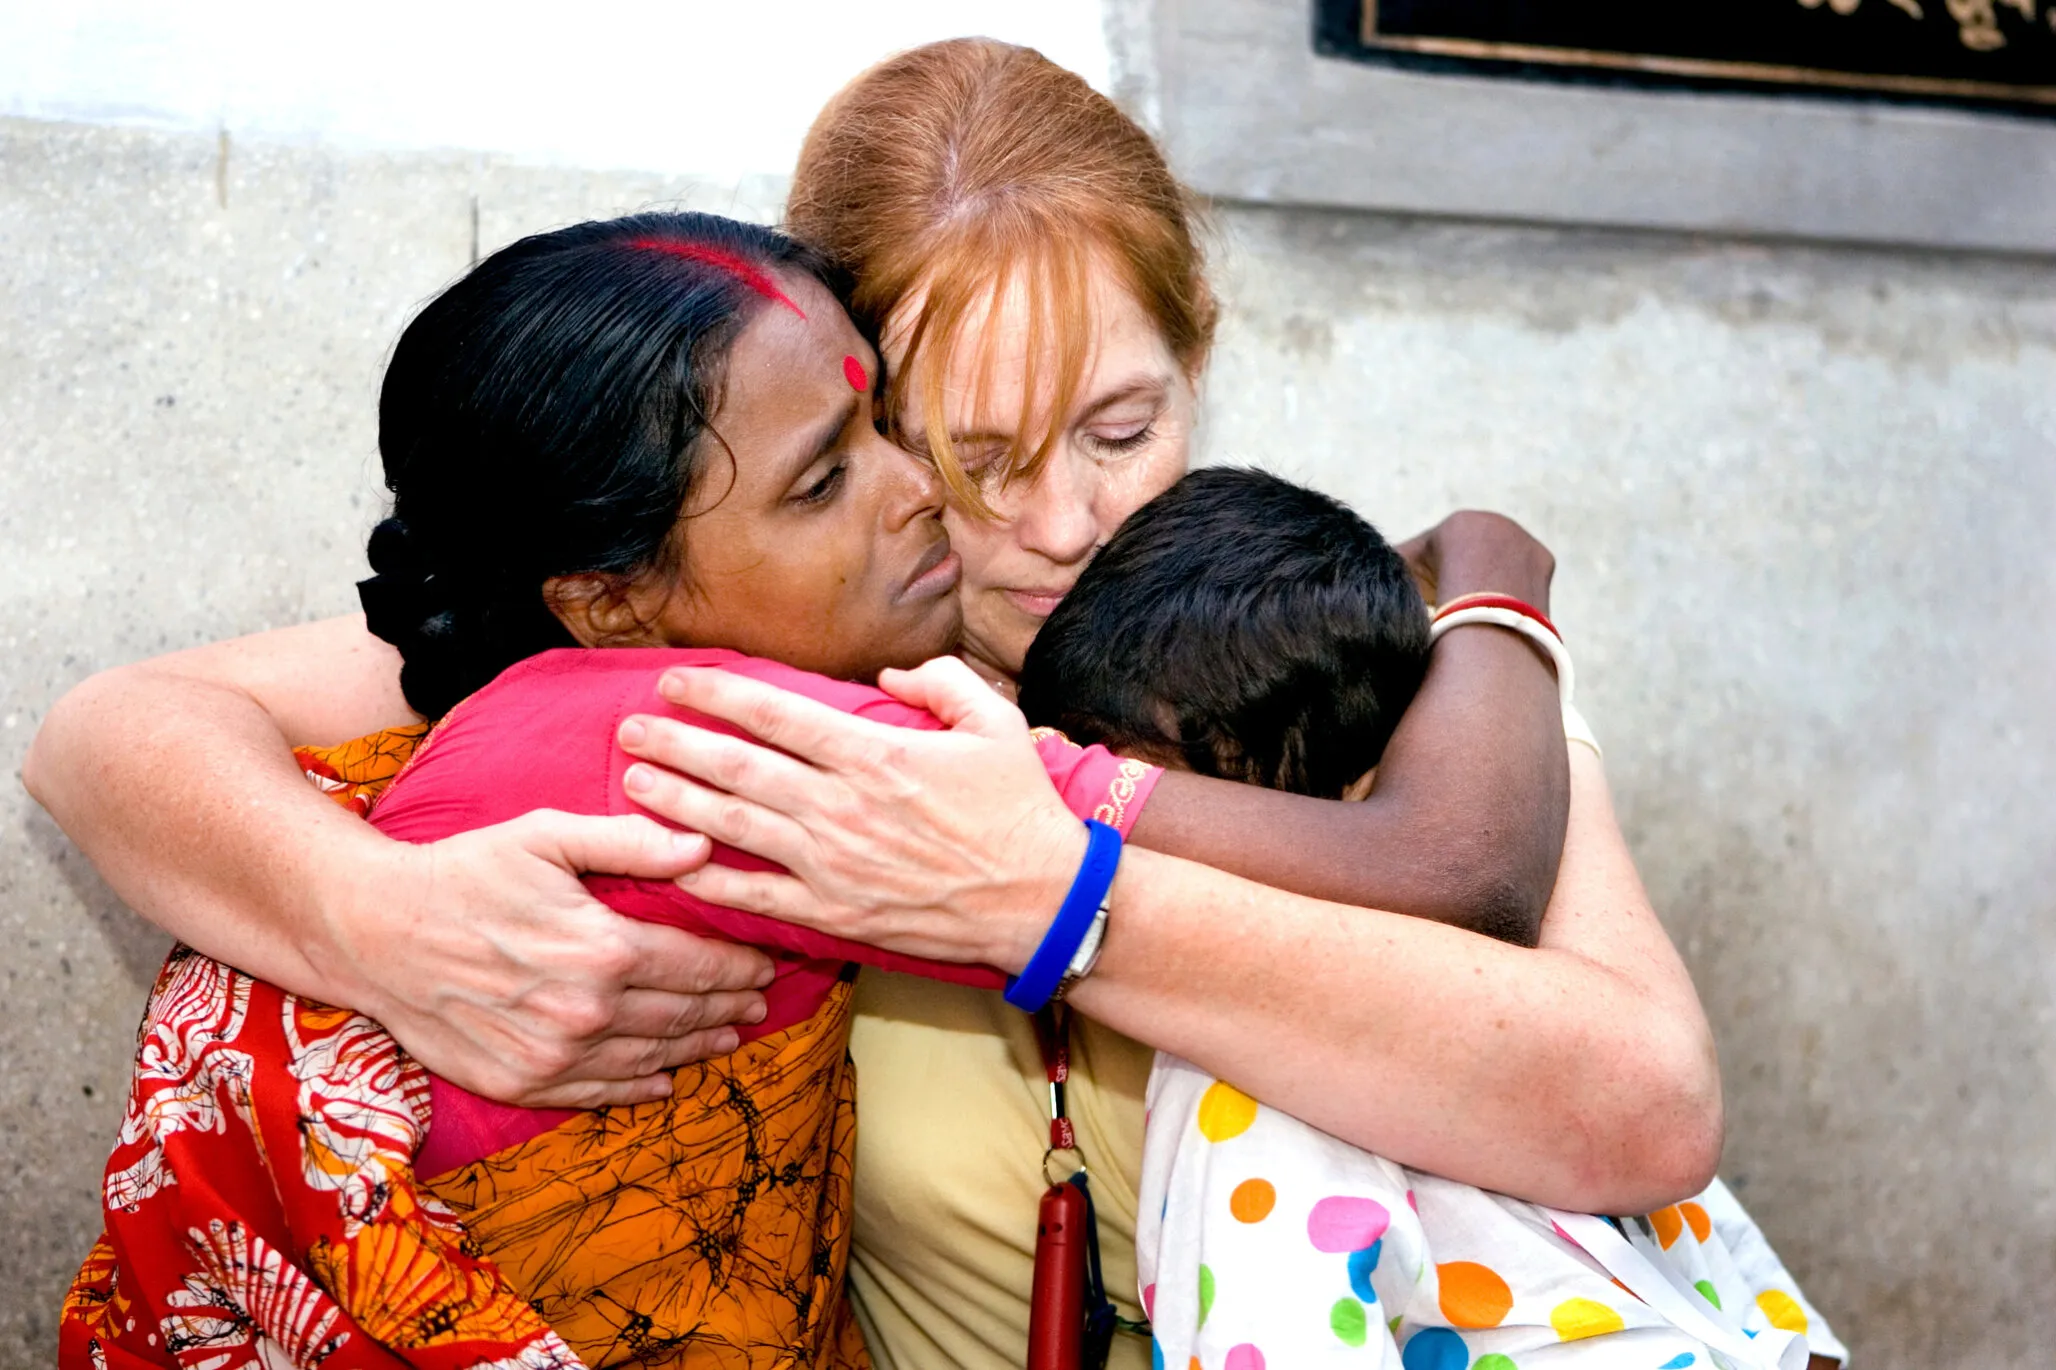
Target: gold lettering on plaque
x=1911, y=7
x=1977, y=24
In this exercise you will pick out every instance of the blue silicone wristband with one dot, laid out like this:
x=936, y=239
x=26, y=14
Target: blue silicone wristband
x=1038, y=980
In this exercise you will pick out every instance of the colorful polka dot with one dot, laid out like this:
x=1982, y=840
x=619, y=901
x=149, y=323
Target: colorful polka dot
x=1156, y=1356
x=1707, y=1291
x=1206, y=1293
x=1345, y=1224
x=1361, y=1264
x=1347, y=1321
x=1495, y=1361
x=1436, y=1348
x=1576, y=1319
x=1253, y=1201
x=1669, y=1223
x=1696, y=1219
x=1783, y=1310
x=1225, y=1112
x=1473, y=1295
x=1244, y=1357
x=1149, y=1301
x=1679, y=1362
x=853, y=372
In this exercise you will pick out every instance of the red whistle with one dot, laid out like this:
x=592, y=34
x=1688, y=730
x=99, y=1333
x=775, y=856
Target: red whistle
x=1056, y=1308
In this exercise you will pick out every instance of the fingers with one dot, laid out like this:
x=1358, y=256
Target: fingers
x=660, y=1016
x=739, y=822
x=623, y=844
x=628, y=1070
x=620, y=1060
x=783, y=897
x=733, y=764
x=673, y=961
x=584, y=1094
x=952, y=691
x=788, y=721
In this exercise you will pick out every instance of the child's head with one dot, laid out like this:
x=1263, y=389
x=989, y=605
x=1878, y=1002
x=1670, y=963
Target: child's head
x=1238, y=626
x=657, y=430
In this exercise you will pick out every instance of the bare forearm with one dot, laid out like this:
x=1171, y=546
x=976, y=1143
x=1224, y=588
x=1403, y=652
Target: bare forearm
x=484, y=954
x=185, y=796
x=1464, y=827
x=176, y=778
x=1580, y=1074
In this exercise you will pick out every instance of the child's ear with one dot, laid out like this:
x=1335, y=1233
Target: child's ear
x=1360, y=788
x=600, y=611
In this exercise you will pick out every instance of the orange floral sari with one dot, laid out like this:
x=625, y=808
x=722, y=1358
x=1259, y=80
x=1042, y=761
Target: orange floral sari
x=262, y=1209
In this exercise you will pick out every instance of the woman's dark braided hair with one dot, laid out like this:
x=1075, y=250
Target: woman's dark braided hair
x=540, y=418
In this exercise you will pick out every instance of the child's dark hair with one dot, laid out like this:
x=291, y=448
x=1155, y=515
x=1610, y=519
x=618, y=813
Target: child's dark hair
x=541, y=418
x=1257, y=630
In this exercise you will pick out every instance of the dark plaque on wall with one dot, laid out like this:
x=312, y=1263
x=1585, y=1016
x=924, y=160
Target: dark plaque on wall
x=1979, y=52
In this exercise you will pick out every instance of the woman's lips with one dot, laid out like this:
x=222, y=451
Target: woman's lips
x=936, y=575
x=1036, y=603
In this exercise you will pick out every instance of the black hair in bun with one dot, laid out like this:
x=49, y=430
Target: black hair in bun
x=539, y=420
x=452, y=638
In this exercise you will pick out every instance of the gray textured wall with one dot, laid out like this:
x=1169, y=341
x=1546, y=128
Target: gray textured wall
x=1800, y=498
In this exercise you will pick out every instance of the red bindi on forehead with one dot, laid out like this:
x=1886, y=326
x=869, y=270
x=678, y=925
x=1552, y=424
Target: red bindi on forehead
x=744, y=270
x=853, y=372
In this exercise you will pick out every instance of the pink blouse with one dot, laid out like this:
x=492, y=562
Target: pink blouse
x=542, y=736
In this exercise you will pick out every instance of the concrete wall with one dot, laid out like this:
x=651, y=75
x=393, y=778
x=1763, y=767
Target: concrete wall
x=1800, y=497
x=708, y=89
x=1801, y=502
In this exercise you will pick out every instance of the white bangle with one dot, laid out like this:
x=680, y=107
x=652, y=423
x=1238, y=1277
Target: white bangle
x=1576, y=729
x=1494, y=616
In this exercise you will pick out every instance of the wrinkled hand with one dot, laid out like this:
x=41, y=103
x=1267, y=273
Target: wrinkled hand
x=951, y=845
x=1472, y=551
x=492, y=964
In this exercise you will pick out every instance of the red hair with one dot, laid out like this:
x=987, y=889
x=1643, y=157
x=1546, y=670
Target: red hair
x=958, y=168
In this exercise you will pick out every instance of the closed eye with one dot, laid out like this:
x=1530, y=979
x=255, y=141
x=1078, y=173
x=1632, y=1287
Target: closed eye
x=1120, y=443
x=823, y=490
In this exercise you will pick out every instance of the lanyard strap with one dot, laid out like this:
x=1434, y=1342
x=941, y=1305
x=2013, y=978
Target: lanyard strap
x=1053, y=1036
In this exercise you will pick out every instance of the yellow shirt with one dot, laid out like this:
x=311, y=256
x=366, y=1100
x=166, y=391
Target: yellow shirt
x=952, y=1121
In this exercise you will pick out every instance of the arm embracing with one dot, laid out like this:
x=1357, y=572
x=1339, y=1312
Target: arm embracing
x=1466, y=820
x=1579, y=1073
x=175, y=776
x=484, y=954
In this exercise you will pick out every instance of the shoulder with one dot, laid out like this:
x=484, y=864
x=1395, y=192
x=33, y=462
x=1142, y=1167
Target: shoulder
x=540, y=735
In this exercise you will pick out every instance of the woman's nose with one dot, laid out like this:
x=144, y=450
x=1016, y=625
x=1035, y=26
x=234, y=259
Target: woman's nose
x=1055, y=515
x=914, y=488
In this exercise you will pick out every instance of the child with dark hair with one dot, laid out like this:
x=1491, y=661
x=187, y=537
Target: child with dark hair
x=1243, y=627
x=1269, y=635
